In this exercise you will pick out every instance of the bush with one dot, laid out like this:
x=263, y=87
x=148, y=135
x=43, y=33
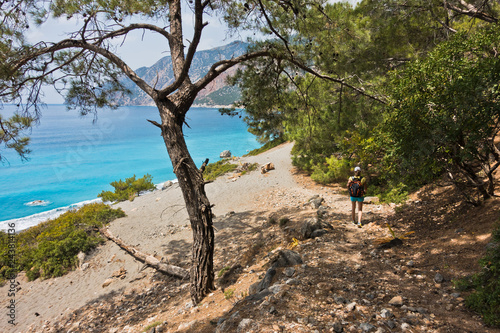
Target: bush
x=333, y=170
x=50, y=249
x=486, y=285
x=396, y=194
x=128, y=189
x=214, y=170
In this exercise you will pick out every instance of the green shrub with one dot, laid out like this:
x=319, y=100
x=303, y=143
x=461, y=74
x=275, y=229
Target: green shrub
x=128, y=189
x=333, y=170
x=486, y=285
x=224, y=270
x=214, y=170
x=251, y=167
x=228, y=293
x=50, y=249
x=150, y=326
x=396, y=194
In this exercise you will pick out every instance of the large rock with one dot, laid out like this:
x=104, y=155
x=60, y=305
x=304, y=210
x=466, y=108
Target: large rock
x=371, y=200
x=225, y=154
x=316, y=201
x=311, y=228
x=286, y=258
x=246, y=325
x=266, y=167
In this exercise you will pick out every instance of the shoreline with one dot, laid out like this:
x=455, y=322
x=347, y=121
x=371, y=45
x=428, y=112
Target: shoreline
x=26, y=222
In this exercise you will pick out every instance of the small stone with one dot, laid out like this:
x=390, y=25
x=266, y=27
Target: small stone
x=366, y=327
x=340, y=300
x=276, y=288
x=289, y=271
x=187, y=326
x=292, y=282
x=386, y=314
x=396, y=301
x=405, y=326
x=351, y=306
x=337, y=327
x=318, y=233
x=107, y=282
x=391, y=324
x=438, y=278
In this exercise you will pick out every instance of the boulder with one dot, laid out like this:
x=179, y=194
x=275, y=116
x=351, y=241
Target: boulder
x=266, y=167
x=311, y=228
x=316, y=202
x=286, y=258
x=371, y=200
x=225, y=154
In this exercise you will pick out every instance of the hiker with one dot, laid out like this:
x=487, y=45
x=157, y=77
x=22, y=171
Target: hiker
x=357, y=188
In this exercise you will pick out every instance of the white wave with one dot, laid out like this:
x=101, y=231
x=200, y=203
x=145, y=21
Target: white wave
x=23, y=223
x=32, y=220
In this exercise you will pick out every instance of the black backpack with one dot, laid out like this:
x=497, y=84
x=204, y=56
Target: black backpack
x=356, y=189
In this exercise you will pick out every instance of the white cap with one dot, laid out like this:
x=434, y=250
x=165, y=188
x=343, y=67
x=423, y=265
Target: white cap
x=357, y=169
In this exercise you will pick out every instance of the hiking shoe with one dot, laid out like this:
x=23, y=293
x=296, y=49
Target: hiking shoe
x=359, y=225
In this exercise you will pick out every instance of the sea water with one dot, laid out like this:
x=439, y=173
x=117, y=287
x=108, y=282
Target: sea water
x=74, y=158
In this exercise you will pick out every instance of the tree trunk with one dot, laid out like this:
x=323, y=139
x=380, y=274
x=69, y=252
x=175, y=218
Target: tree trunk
x=197, y=204
x=146, y=258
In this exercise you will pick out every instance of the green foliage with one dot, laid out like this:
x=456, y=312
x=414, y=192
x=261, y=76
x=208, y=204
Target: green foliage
x=152, y=325
x=397, y=193
x=228, y=293
x=333, y=170
x=223, y=270
x=50, y=249
x=485, y=298
x=446, y=113
x=128, y=189
x=11, y=134
x=214, y=170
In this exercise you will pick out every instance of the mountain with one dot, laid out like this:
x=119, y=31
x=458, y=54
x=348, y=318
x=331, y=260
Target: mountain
x=161, y=75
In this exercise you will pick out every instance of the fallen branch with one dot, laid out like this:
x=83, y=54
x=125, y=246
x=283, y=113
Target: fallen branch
x=146, y=258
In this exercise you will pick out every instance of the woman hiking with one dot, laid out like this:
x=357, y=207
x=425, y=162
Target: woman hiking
x=357, y=189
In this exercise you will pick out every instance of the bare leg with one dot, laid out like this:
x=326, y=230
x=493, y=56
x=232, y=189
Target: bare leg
x=360, y=211
x=353, y=211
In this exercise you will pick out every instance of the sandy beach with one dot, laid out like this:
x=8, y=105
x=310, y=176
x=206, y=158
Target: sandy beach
x=157, y=224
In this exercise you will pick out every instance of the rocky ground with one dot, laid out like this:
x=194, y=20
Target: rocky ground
x=299, y=265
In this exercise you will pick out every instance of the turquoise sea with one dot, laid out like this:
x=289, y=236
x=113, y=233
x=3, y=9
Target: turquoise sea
x=74, y=158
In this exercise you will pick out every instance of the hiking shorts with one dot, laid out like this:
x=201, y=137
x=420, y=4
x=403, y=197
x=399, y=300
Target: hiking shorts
x=358, y=199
